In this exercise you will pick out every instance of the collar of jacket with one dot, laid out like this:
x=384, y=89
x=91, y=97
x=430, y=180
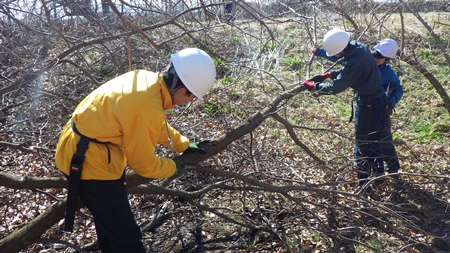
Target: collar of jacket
x=165, y=94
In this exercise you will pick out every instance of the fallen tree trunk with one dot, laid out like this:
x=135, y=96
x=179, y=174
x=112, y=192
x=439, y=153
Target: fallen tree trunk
x=32, y=232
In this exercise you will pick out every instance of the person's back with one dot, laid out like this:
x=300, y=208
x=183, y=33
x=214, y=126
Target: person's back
x=122, y=112
x=229, y=7
x=365, y=77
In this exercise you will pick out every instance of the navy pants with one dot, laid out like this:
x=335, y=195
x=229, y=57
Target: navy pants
x=116, y=227
x=389, y=153
x=369, y=126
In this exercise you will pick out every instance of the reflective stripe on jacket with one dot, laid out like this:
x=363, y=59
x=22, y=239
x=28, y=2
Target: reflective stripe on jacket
x=128, y=112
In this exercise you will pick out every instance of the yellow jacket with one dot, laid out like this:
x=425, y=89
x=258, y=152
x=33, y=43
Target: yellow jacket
x=128, y=112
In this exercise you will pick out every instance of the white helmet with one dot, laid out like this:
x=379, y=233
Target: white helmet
x=196, y=70
x=387, y=48
x=335, y=41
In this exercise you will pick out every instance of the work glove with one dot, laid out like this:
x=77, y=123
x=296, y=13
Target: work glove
x=320, y=78
x=194, y=147
x=309, y=85
x=390, y=110
x=178, y=170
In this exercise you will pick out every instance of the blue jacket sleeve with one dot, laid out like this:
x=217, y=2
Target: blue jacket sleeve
x=341, y=81
x=323, y=54
x=396, y=94
x=391, y=84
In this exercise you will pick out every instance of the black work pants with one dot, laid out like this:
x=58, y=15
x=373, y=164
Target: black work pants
x=116, y=227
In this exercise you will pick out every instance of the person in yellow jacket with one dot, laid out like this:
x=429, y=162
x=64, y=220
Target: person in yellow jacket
x=121, y=122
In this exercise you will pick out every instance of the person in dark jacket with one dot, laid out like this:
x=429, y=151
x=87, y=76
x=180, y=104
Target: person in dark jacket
x=361, y=73
x=229, y=11
x=384, y=51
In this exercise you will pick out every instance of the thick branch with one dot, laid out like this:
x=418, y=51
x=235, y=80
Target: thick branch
x=16, y=182
x=431, y=78
x=221, y=143
x=31, y=232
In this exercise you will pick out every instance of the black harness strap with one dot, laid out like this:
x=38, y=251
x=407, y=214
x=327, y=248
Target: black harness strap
x=76, y=166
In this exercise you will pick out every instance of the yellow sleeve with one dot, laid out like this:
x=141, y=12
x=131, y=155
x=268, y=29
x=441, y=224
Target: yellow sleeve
x=146, y=128
x=180, y=142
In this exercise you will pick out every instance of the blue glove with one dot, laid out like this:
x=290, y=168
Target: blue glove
x=194, y=147
x=178, y=170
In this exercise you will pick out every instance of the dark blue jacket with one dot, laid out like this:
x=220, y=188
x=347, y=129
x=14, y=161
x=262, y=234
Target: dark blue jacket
x=391, y=83
x=389, y=79
x=360, y=72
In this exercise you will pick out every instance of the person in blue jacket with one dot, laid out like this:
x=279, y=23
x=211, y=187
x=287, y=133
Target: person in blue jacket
x=229, y=11
x=361, y=73
x=385, y=50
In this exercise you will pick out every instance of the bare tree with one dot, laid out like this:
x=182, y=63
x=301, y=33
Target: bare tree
x=279, y=165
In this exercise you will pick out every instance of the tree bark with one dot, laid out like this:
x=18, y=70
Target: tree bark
x=15, y=182
x=32, y=232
